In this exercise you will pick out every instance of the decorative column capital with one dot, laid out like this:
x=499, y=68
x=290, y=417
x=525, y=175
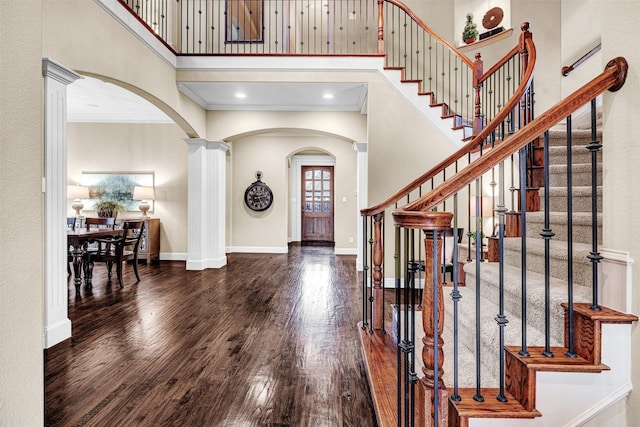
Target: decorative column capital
x=360, y=147
x=58, y=72
x=209, y=145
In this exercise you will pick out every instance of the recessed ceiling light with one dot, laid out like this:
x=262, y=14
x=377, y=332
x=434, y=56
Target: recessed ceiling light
x=327, y=96
x=241, y=95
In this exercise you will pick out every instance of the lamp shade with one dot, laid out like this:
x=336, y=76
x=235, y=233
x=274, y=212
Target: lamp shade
x=143, y=193
x=77, y=192
x=486, y=206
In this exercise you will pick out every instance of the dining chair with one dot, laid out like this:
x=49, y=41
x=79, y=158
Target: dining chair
x=118, y=250
x=447, y=251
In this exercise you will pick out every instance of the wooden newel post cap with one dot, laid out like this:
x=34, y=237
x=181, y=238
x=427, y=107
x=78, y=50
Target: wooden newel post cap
x=422, y=220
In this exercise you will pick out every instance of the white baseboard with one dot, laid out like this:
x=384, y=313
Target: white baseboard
x=258, y=249
x=173, y=256
x=203, y=264
x=346, y=251
x=56, y=333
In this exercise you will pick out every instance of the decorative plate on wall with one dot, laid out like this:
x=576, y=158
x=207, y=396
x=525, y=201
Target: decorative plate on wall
x=492, y=18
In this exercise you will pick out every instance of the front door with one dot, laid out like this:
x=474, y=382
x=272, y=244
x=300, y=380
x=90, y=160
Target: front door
x=317, y=204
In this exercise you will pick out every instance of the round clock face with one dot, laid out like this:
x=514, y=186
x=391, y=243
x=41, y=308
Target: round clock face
x=258, y=196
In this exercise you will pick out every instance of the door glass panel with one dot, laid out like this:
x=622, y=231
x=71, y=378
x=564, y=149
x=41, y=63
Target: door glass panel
x=308, y=196
x=317, y=207
x=327, y=196
x=318, y=196
x=308, y=175
x=307, y=206
x=317, y=185
x=317, y=174
x=308, y=185
x=326, y=175
x=326, y=185
x=326, y=207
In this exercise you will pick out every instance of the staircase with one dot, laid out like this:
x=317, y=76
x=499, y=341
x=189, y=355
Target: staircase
x=521, y=371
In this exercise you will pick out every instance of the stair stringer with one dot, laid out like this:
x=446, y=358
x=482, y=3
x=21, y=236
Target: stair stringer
x=409, y=90
x=571, y=398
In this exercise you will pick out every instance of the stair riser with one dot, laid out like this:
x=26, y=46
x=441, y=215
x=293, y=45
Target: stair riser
x=578, y=138
x=581, y=175
x=582, y=267
x=558, y=155
x=580, y=203
x=581, y=232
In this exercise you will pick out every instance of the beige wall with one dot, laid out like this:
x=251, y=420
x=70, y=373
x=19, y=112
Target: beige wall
x=21, y=215
x=270, y=154
x=121, y=147
x=71, y=31
x=621, y=224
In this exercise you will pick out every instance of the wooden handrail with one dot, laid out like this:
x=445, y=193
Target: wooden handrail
x=612, y=79
x=527, y=42
x=567, y=69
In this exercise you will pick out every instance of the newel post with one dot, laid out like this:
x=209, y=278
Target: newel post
x=432, y=394
x=380, y=26
x=478, y=69
x=526, y=103
x=378, y=257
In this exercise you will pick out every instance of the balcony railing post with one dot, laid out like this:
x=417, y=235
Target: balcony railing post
x=378, y=257
x=380, y=26
x=478, y=69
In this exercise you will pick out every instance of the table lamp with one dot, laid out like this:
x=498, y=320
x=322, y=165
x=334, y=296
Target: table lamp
x=77, y=193
x=144, y=194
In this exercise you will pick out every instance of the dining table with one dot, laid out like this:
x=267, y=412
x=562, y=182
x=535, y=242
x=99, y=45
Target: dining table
x=79, y=239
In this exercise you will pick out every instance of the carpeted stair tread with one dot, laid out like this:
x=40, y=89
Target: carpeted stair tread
x=581, y=175
x=558, y=223
x=578, y=137
x=581, y=198
x=579, y=154
x=582, y=268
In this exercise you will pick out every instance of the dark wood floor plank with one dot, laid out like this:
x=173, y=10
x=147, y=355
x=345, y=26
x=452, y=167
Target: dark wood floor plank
x=266, y=340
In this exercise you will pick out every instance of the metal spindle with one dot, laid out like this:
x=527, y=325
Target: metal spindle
x=365, y=269
x=501, y=319
x=594, y=256
x=523, y=254
x=455, y=296
x=570, y=351
x=436, y=328
x=478, y=396
x=547, y=234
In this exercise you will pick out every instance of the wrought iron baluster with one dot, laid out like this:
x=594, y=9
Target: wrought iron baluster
x=570, y=333
x=501, y=319
x=523, y=254
x=478, y=396
x=547, y=234
x=456, y=297
x=594, y=256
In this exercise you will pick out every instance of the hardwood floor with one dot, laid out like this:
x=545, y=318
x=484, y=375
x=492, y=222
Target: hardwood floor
x=267, y=340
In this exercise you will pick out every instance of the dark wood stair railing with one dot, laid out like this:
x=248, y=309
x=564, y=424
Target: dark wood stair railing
x=519, y=397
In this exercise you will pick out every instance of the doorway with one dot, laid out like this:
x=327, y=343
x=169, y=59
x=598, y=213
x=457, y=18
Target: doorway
x=317, y=205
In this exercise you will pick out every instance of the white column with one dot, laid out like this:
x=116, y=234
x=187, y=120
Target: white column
x=57, y=326
x=362, y=185
x=206, y=204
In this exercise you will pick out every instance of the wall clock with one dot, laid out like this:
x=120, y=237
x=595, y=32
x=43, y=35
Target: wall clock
x=258, y=196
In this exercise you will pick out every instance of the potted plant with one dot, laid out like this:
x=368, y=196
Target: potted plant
x=470, y=31
x=473, y=237
x=108, y=208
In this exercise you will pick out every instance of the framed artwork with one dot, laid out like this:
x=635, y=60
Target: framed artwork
x=244, y=21
x=115, y=186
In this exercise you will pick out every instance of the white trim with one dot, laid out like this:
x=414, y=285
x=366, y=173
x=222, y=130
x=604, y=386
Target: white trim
x=258, y=249
x=362, y=171
x=206, y=263
x=605, y=403
x=346, y=251
x=295, y=175
x=57, y=326
x=56, y=333
x=173, y=256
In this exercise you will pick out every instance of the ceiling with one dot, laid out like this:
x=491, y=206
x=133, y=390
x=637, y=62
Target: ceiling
x=92, y=100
